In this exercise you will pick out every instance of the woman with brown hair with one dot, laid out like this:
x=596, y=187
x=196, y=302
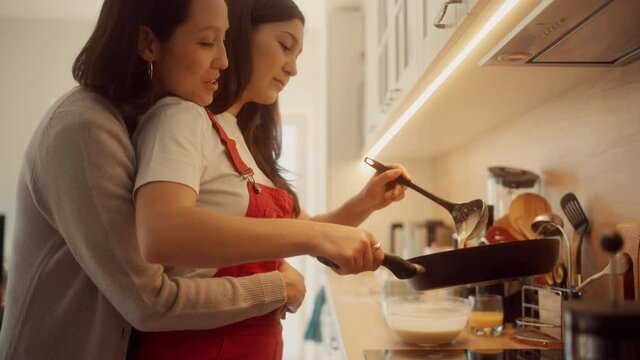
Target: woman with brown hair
x=78, y=282
x=199, y=175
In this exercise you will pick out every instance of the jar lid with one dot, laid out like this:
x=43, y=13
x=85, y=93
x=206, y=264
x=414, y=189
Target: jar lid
x=600, y=318
x=513, y=177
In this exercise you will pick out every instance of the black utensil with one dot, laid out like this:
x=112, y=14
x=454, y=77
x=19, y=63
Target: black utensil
x=470, y=218
x=576, y=216
x=400, y=267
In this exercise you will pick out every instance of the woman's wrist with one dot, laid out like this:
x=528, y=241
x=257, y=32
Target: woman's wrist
x=362, y=206
x=313, y=234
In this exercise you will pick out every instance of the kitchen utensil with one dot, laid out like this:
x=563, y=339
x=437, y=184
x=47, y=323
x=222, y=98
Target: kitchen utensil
x=550, y=224
x=572, y=209
x=540, y=224
x=620, y=262
x=474, y=265
x=542, y=312
x=558, y=277
x=506, y=224
x=523, y=210
x=498, y=234
x=470, y=218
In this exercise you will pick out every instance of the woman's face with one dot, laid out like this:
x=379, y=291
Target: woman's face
x=188, y=64
x=274, y=49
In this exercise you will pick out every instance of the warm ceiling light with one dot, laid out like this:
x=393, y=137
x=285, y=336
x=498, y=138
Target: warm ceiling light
x=432, y=87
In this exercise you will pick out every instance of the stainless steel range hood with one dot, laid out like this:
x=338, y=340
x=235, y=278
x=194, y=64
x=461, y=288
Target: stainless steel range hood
x=573, y=33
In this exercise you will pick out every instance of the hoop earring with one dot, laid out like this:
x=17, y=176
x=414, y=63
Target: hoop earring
x=150, y=70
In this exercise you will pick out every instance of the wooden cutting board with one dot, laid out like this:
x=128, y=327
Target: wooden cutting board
x=631, y=235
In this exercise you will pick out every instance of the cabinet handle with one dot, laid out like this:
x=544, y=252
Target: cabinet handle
x=389, y=98
x=443, y=11
x=391, y=95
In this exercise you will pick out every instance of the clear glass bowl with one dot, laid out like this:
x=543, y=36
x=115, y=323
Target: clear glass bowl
x=426, y=320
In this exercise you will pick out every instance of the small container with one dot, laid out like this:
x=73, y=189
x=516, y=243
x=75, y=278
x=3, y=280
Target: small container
x=505, y=184
x=487, y=315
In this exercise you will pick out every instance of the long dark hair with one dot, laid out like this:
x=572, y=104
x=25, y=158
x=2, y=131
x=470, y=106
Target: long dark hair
x=109, y=63
x=260, y=124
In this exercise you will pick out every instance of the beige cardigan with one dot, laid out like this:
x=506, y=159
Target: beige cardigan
x=77, y=282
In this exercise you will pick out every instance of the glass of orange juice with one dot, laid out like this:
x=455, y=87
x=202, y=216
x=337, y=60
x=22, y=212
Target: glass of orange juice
x=487, y=315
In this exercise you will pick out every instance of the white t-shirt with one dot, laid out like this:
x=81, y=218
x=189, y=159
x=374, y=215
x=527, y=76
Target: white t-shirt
x=175, y=141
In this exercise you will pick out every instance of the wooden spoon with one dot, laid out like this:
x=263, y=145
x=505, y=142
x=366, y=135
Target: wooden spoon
x=524, y=208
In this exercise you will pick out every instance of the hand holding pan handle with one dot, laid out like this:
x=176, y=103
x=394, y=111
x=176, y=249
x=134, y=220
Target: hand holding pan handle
x=400, y=267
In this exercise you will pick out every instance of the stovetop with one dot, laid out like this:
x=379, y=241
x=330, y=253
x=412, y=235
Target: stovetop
x=435, y=354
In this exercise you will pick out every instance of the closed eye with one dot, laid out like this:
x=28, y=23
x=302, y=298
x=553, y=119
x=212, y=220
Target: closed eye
x=285, y=47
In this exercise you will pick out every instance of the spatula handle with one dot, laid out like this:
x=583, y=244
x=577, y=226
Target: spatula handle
x=402, y=181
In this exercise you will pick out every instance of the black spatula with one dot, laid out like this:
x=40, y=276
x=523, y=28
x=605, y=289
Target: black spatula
x=572, y=209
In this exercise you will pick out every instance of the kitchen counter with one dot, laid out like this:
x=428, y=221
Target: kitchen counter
x=355, y=302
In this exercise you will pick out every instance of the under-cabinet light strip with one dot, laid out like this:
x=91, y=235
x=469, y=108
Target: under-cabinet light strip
x=426, y=94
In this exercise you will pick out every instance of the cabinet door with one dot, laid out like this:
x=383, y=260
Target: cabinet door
x=434, y=34
x=404, y=70
x=371, y=109
x=377, y=60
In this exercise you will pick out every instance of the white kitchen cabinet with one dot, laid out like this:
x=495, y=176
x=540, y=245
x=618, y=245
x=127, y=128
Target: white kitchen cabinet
x=401, y=41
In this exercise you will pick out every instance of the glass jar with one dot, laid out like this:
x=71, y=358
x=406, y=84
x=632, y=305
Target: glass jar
x=505, y=184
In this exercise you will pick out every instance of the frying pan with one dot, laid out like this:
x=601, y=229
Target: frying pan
x=474, y=265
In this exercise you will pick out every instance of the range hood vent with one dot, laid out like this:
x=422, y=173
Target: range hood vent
x=573, y=33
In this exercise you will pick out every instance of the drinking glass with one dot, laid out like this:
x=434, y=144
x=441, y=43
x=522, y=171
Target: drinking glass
x=487, y=315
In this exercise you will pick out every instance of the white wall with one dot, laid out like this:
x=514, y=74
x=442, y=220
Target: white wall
x=35, y=68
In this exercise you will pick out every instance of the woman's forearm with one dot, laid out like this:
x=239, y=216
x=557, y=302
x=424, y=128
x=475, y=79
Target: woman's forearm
x=196, y=237
x=351, y=213
x=171, y=230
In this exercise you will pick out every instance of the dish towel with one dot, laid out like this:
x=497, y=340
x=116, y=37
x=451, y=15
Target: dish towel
x=313, y=332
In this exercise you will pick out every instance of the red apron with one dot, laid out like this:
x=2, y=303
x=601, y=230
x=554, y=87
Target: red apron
x=258, y=338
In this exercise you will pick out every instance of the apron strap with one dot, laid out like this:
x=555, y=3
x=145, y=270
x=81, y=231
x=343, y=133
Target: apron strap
x=230, y=144
x=240, y=166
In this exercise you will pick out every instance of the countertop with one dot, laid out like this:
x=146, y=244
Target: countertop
x=355, y=301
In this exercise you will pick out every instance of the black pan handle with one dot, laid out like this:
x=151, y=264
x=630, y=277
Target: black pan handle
x=327, y=262
x=400, y=267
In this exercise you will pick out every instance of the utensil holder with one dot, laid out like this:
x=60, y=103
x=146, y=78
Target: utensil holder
x=541, y=319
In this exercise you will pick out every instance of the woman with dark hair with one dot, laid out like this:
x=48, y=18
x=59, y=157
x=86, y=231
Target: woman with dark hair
x=198, y=175
x=78, y=282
